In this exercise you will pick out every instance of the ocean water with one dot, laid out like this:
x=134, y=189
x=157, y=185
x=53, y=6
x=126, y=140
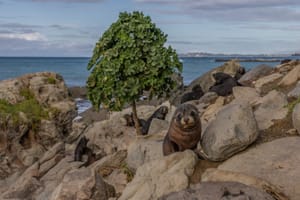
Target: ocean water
x=75, y=72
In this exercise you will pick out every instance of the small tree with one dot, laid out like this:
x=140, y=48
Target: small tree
x=128, y=59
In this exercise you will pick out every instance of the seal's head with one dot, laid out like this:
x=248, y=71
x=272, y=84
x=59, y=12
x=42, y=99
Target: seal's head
x=186, y=117
x=220, y=77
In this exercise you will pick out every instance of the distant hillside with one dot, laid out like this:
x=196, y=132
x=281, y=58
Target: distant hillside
x=204, y=54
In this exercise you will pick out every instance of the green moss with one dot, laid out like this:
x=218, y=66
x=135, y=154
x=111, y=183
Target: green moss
x=28, y=111
x=26, y=93
x=51, y=80
x=292, y=105
x=129, y=173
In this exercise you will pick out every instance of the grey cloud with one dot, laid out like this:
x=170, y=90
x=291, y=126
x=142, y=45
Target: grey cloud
x=234, y=10
x=189, y=42
x=291, y=27
x=68, y=1
x=216, y=4
x=19, y=47
x=59, y=27
x=18, y=25
x=10, y=28
x=5, y=31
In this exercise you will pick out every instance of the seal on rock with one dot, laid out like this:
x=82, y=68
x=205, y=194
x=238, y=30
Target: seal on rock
x=184, y=131
x=82, y=149
x=195, y=94
x=224, y=84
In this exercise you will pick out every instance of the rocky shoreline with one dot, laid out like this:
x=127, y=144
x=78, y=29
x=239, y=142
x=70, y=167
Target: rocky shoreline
x=250, y=139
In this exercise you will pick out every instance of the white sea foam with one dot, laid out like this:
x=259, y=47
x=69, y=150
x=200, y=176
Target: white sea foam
x=82, y=105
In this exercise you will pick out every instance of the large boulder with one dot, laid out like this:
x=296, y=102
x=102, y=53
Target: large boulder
x=255, y=73
x=232, y=131
x=219, y=190
x=109, y=136
x=267, y=80
x=217, y=175
x=271, y=107
x=295, y=93
x=210, y=112
x=162, y=176
x=277, y=162
x=158, y=125
x=114, y=170
x=36, y=112
x=292, y=77
x=81, y=184
x=145, y=149
x=245, y=95
x=288, y=66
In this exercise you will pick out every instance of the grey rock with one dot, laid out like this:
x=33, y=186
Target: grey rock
x=296, y=117
x=78, y=128
x=158, y=125
x=265, y=80
x=255, y=73
x=231, y=132
x=162, y=176
x=295, y=93
x=54, y=177
x=209, y=114
x=276, y=162
x=245, y=95
x=219, y=190
x=25, y=185
x=217, y=175
x=208, y=98
x=145, y=149
x=81, y=184
x=271, y=107
x=292, y=77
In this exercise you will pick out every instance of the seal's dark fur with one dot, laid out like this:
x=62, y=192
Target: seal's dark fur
x=195, y=94
x=184, y=131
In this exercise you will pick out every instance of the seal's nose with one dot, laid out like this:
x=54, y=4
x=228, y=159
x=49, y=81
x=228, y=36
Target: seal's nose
x=186, y=120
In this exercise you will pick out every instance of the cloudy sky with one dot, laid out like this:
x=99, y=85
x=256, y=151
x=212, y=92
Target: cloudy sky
x=71, y=27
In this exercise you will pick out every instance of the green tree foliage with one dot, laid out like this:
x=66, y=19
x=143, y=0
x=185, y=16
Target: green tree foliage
x=128, y=59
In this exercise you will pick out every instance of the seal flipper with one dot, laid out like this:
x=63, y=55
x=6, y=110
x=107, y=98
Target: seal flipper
x=169, y=146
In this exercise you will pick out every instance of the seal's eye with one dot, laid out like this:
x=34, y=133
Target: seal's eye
x=193, y=113
x=178, y=116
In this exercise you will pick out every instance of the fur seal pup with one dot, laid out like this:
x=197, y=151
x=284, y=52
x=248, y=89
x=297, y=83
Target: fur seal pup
x=184, y=131
x=195, y=94
x=80, y=149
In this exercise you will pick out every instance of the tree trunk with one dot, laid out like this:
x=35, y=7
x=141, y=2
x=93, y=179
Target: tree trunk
x=136, y=120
